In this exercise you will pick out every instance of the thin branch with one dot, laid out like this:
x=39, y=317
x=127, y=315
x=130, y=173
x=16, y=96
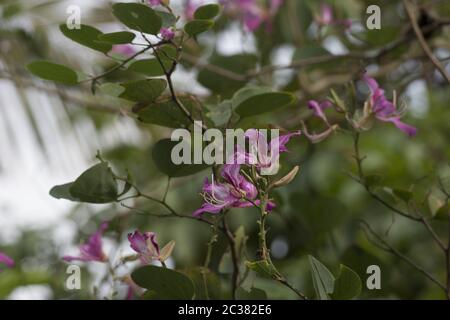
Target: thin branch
x=389, y=248
x=170, y=215
x=117, y=66
x=361, y=179
x=422, y=41
x=168, y=75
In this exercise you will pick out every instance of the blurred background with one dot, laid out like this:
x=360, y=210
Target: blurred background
x=49, y=134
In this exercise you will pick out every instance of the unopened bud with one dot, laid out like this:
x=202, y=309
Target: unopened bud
x=287, y=178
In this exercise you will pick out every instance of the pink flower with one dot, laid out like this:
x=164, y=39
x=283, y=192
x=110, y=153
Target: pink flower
x=123, y=49
x=385, y=110
x=167, y=34
x=262, y=154
x=326, y=17
x=6, y=260
x=154, y=2
x=145, y=245
x=319, y=107
x=93, y=249
x=229, y=194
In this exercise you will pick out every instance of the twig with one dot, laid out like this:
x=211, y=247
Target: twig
x=387, y=247
x=168, y=75
x=423, y=42
x=361, y=180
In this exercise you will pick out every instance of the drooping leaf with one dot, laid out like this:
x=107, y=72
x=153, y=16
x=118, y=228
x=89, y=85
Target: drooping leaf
x=95, y=185
x=138, y=17
x=63, y=192
x=87, y=36
x=143, y=90
x=166, y=283
x=53, y=72
x=323, y=279
x=206, y=12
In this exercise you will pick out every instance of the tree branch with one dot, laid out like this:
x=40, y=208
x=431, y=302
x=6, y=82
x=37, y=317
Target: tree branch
x=423, y=42
x=388, y=248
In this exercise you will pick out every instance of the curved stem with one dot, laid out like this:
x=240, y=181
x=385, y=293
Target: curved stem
x=264, y=251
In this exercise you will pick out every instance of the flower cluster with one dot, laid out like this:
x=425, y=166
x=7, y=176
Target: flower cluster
x=235, y=190
x=383, y=109
x=93, y=249
x=144, y=244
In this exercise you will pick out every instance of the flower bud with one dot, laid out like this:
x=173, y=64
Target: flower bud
x=287, y=178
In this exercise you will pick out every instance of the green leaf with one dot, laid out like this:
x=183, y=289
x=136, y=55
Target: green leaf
x=195, y=27
x=167, y=18
x=206, y=283
x=254, y=294
x=263, y=268
x=223, y=85
x=150, y=67
x=166, y=283
x=138, y=17
x=323, y=279
x=86, y=36
x=404, y=195
x=52, y=71
x=63, y=192
x=378, y=38
x=247, y=92
x=95, y=185
x=143, y=90
x=166, y=114
x=121, y=37
x=221, y=113
x=207, y=12
x=347, y=285
x=256, y=103
x=112, y=89
x=161, y=155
